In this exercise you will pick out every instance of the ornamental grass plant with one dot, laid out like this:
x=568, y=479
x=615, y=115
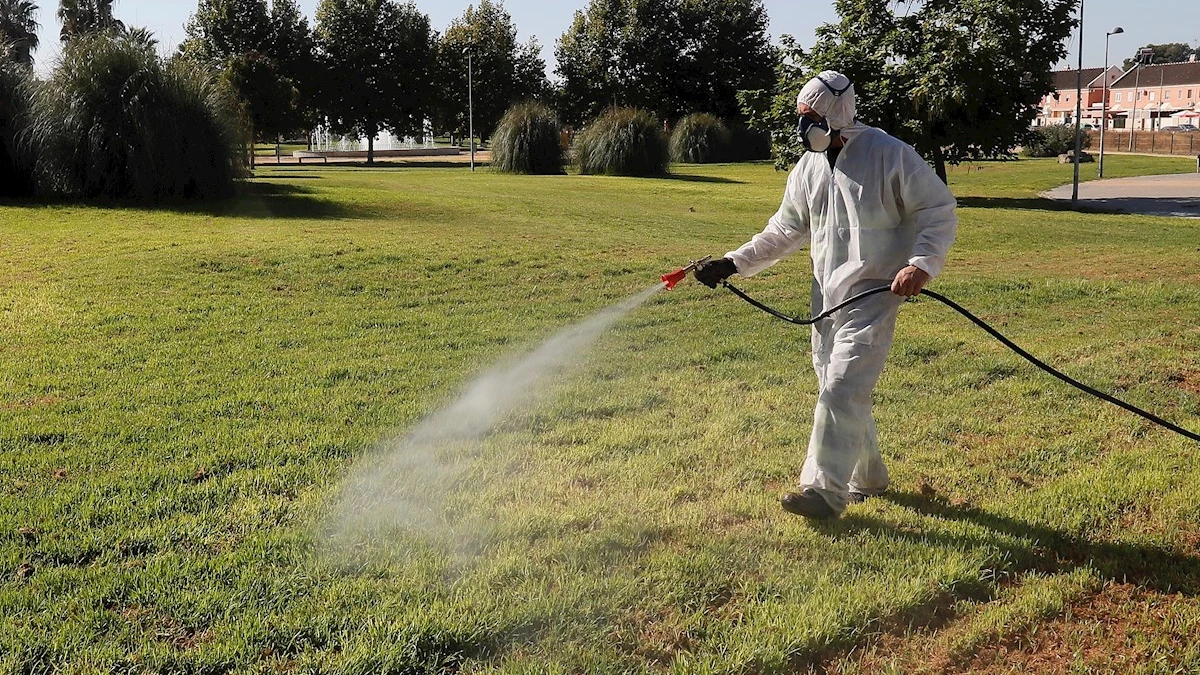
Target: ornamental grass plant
x=700, y=138
x=622, y=142
x=528, y=140
x=115, y=121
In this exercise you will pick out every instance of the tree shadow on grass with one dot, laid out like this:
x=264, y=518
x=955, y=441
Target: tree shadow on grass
x=1024, y=204
x=262, y=200
x=252, y=200
x=692, y=178
x=1154, y=206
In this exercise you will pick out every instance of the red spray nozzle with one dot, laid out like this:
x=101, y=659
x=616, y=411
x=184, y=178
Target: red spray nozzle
x=673, y=278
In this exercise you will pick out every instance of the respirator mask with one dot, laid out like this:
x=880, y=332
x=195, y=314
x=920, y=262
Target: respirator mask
x=817, y=136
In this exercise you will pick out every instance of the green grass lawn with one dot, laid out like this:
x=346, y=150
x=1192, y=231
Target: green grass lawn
x=182, y=393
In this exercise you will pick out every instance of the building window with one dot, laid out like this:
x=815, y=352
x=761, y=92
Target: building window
x=1151, y=96
x=1167, y=95
x=1118, y=97
x=1189, y=93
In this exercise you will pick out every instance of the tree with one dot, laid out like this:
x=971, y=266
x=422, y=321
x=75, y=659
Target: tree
x=18, y=28
x=265, y=53
x=267, y=98
x=221, y=29
x=83, y=17
x=673, y=57
x=958, y=79
x=504, y=71
x=728, y=49
x=621, y=52
x=1169, y=52
x=379, y=55
x=294, y=51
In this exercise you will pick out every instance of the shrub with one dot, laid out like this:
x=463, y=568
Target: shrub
x=114, y=121
x=700, y=138
x=16, y=160
x=1054, y=140
x=622, y=142
x=528, y=141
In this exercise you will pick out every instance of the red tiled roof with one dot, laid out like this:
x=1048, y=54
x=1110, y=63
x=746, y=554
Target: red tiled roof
x=1168, y=74
x=1066, y=79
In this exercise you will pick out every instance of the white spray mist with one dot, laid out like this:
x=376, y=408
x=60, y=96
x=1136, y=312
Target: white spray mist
x=404, y=484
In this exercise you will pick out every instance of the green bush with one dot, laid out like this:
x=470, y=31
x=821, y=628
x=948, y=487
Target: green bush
x=622, y=142
x=700, y=138
x=1054, y=140
x=114, y=121
x=528, y=140
x=16, y=160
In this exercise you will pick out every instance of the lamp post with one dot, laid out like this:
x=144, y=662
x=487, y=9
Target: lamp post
x=1104, y=101
x=471, y=107
x=1078, y=112
x=1137, y=94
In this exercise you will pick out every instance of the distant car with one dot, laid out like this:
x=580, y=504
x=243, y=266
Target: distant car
x=1188, y=127
x=1170, y=129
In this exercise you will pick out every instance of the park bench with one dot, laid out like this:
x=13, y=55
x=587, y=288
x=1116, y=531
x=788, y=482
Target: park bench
x=302, y=155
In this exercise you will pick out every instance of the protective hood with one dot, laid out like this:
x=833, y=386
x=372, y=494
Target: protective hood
x=822, y=94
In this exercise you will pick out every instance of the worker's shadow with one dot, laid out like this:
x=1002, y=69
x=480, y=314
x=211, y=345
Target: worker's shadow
x=1048, y=550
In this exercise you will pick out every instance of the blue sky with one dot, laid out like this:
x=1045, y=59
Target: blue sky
x=1144, y=22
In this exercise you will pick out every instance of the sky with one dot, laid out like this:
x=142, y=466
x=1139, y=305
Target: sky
x=1149, y=21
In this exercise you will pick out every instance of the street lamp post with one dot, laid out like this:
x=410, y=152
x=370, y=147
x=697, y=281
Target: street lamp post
x=471, y=109
x=1104, y=101
x=1078, y=112
x=1137, y=94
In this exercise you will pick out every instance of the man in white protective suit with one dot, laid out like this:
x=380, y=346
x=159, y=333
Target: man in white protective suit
x=873, y=214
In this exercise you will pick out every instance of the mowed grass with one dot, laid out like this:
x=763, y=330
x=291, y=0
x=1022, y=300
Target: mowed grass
x=182, y=393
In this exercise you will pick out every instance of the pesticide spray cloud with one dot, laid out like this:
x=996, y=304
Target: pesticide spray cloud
x=403, y=485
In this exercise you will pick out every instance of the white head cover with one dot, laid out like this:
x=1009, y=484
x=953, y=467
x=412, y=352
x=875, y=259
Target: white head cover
x=819, y=95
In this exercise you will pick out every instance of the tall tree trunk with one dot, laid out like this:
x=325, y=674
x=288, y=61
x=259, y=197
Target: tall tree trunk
x=939, y=163
x=371, y=143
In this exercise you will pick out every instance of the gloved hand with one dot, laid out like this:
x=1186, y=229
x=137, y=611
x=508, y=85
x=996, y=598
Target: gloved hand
x=714, y=272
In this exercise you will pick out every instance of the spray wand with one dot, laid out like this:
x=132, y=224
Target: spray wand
x=678, y=275
x=671, y=279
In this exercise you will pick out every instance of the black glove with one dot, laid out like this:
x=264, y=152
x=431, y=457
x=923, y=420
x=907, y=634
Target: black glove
x=714, y=272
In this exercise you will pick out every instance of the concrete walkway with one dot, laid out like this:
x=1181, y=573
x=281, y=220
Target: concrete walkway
x=1175, y=195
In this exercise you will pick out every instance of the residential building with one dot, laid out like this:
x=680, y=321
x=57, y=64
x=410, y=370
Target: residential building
x=1059, y=107
x=1154, y=96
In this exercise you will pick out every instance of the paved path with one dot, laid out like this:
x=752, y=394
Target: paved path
x=1175, y=195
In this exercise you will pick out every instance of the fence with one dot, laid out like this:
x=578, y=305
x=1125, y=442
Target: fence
x=1149, y=142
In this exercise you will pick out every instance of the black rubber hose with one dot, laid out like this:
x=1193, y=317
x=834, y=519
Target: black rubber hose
x=991, y=331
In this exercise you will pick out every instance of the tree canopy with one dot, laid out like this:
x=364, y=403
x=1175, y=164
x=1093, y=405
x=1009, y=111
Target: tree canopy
x=958, y=79
x=379, y=54
x=1168, y=52
x=221, y=29
x=672, y=57
x=265, y=52
x=82, y=17
x=18, y=30
x=504, y=70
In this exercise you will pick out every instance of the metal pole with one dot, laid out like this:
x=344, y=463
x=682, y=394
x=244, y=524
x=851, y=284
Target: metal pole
x=1078, y=112
x=1162, y=74
x=1137, y=74
x=1104, y=106
x=471, y=110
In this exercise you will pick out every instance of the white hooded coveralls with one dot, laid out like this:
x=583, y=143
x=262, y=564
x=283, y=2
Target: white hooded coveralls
x=880, y=209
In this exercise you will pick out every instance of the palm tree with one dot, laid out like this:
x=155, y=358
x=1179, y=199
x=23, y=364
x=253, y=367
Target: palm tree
x=80, y=17
x=18, y=29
